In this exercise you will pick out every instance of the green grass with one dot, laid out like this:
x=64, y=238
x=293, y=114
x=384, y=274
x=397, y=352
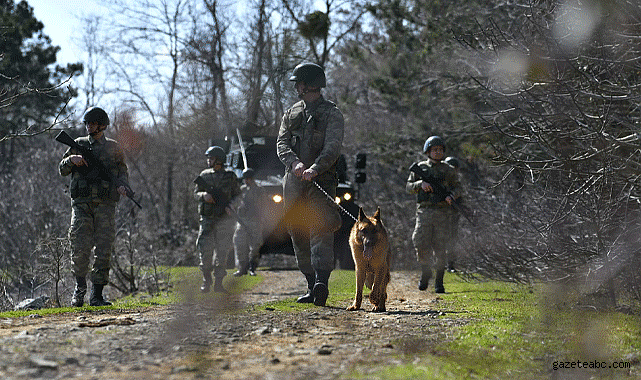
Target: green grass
x=186, y=284
x=510, y=333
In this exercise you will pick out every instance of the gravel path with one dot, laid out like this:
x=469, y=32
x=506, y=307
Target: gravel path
x=202, y=341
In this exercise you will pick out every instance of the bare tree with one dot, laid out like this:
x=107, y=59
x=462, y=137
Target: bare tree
x=53, y=256
x=562, y=107
x=157, y=31
x=324, y=30
x=257, y=67
x=205, y=53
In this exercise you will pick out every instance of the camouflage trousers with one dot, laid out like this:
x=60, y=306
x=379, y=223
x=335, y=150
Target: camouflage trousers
x=214, y=244
x=247, y=244
x=432, y=235
x=311, y=220
x=93, y=228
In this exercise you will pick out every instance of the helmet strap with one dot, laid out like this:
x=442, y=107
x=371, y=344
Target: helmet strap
x=97, y=131
x=307, y=89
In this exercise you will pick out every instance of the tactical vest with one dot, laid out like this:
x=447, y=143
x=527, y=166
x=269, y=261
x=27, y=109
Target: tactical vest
x=87, y=183
x=308, y=133
x=226, y=182
x=438, y=171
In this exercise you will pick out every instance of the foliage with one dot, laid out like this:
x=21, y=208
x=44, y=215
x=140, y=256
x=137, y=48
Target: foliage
x=32, y=91
x=561, y=108
x=316, y=25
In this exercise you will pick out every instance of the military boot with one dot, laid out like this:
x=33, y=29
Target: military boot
x=206, y=282
x=426, y=274
x=308, y=297
x=78, y=298
x=450, y=266
x=96, y=296
x=218, y=285
x=242, y=269
x=321, y=291
x=438, y=285
x=252, y=268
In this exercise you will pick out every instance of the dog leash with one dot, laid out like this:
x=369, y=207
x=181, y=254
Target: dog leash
x=332, y=200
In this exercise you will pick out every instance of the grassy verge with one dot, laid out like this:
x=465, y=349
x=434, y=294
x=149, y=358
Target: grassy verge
x=185, y=282
x=510, y=333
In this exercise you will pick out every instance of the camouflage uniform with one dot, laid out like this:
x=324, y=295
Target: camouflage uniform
x=93, y=207
x=248, y=238
x=432, y=232
x=216, y=226
x=313, y=134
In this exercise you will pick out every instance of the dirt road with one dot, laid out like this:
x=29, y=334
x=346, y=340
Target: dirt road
x=199, y=341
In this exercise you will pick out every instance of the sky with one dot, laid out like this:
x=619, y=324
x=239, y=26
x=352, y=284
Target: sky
x=61, y=21
x=62, y=25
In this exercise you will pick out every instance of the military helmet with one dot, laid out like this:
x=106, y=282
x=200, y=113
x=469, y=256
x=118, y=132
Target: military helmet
x=309, y=73
x=433, y=141
x=452, y=161
x=216, y=152
x=96, y=115
x=249, y=173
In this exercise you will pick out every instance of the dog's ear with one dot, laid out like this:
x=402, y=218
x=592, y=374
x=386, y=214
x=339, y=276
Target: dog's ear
x=361, y=215
x=377, y=214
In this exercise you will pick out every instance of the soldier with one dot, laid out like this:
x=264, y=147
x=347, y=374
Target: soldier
x=433, y=212
x=249, y=234
x=456, y=216
x=309, y=143
x=93, y=206
x=216, y=223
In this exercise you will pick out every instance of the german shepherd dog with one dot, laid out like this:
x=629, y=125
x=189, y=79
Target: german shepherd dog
x=372, y=255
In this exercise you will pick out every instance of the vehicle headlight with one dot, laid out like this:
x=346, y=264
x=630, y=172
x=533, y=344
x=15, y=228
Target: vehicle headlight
x=337, y=199
x=277, y=198
x=347, y=196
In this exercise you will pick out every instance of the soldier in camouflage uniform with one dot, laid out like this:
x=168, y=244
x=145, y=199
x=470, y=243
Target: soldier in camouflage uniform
x=309, y=143
x=249, y=234
x=433, y=214
x=216, y=223
x=93, y=207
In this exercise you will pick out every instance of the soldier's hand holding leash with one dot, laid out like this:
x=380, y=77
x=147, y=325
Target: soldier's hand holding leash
x=309, y=174
x=300, y=170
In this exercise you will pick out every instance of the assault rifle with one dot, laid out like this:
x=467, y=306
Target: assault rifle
x=221, y=201
x=94, y=163
x=439, y=190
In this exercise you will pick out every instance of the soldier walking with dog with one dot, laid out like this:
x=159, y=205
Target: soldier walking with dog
x=309, y=143
x=215, y=189
x=94, y=195
x=436, y=187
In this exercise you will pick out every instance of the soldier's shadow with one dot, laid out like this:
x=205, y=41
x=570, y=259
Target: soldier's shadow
x=423, y=313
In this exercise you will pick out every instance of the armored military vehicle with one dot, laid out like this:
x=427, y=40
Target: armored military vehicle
x=260, y=152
